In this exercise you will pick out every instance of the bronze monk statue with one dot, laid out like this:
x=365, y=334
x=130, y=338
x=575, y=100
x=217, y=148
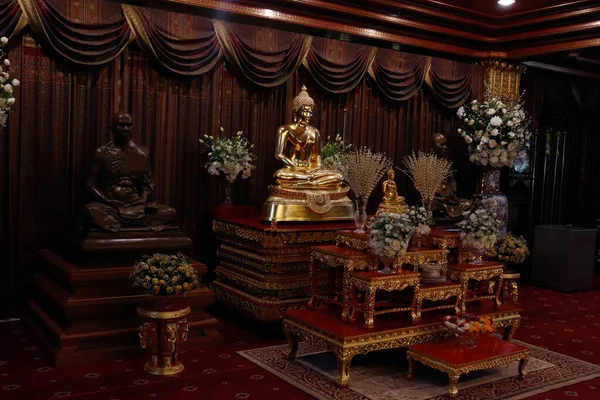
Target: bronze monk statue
x=121, y=182
x=446, y=203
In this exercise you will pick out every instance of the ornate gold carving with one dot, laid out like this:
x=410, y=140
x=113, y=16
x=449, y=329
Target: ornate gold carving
x=455, y=371
x=420, y=256
x=437, y=293
x=163, y=314
x=502, y=79
x=478, y=273
x=353, y=240
x=446, y=242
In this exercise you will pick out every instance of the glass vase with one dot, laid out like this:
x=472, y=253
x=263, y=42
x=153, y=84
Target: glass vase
x=387, y=262
x=489, y=197
x=227, y=202
x=477, y=254
x=360, y=215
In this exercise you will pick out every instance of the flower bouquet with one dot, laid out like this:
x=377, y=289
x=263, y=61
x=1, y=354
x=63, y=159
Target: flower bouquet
x=389, y=237
x=465, y=326
x=510, y=249
x=229, y=156
x=332, y=153
x=163, y=274
x=7, y=97
x=495, y=132
x=479, y=232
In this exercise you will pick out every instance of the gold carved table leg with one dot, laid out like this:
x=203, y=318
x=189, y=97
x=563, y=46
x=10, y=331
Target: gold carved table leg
x=292, y=339
x=314, y=282
x=369, y=308
x=410, y=373
x=498, y=295
x=346, y=294
x=344, y=359
x=453, y=384
x=464, y=281
x=522, y=365
x=510, y=330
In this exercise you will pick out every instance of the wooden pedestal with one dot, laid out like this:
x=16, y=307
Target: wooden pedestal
x=84, y=315
x=264, y=270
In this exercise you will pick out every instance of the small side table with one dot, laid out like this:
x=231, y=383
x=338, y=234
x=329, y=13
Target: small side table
x=419, y=255
x=437, y=292
x=485, y=271
x=339, y=263
x=448, y=357
x=370, y=282
x=162, y=329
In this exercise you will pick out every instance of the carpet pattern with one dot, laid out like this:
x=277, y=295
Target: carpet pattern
x=566, y=323
x=380, y=376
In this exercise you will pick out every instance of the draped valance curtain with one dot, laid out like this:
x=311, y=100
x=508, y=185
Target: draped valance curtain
x=188, y=45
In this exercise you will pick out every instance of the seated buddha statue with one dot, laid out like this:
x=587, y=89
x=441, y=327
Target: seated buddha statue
x=391, y=202
x=299, y=147
x=303, y=190
x=121, y=182
x=446, y=204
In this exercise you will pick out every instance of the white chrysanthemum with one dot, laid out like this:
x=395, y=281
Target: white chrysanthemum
x=496, y=121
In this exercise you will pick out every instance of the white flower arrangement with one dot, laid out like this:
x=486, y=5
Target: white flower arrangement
x=390, y=234
x=479, y=229
x=332, y=153
x=495, y=132
x=419, y=219
x=7, y=85
x=229, y=156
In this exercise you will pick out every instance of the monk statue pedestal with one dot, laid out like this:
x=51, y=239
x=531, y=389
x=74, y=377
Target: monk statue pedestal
x=81, y=303
x=289, y=205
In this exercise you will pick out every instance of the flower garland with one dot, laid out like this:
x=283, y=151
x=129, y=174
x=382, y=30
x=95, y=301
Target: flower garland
x=7, y=85
x=468, y=323
x=510, y=249
x=495, y=132
x=164, y=274
x=479, y=229
x=390, y=234
x=229, y=156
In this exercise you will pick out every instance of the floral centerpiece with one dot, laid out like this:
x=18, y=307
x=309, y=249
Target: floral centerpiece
x=332, y=153
x=495, y=132
x=363, y=169
x=427, y=171
x=419, y=219
x=511, y=249
x=163, y=274
x=7, y=98
x=230, y=157
x=466, y=326
x=479, y=231
x=389, y=236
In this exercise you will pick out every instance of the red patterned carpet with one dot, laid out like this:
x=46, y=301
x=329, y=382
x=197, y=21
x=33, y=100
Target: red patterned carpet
x=568, y=323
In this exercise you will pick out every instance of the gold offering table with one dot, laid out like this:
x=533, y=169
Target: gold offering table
x=264, y=270
x=483, y=272
x=323, y=327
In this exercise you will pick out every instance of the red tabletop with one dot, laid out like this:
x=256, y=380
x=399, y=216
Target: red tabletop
x=440, y=232
x=467, y=266
x=449, y=352
x=376, y=275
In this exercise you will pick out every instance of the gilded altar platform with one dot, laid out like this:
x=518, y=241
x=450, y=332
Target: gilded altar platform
x=264, y=270
x=324, y=328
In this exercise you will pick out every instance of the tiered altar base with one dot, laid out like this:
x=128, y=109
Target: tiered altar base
x=84, y=314
x=263, y=269
x=323, y=327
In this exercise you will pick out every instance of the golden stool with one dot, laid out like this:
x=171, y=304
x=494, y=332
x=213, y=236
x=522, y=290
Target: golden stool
x=510, y=287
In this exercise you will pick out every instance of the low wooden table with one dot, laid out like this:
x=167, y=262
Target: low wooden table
x=448, y=357
x=485, y=271
x=418, y=255
x=510, y=286
x=370, y=282
x=339, y=263
x=437, y=292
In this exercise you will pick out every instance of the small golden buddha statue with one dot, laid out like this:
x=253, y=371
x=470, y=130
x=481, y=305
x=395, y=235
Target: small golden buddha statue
x=446, y=204
x=391, y=202
x=304, y=191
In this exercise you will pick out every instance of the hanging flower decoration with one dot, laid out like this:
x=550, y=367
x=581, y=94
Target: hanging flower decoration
x=495, y=132
x=7, y=85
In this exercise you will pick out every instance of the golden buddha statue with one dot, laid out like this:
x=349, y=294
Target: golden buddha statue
x=304, y=191
x=391, y=202
x=446, y=204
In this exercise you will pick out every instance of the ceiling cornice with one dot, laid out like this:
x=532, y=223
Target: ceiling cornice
x=437, y=27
